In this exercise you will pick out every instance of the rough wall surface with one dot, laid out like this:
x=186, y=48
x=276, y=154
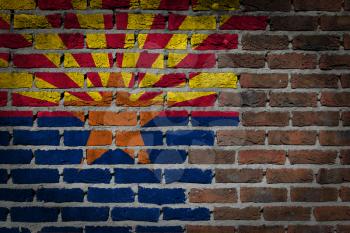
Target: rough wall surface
x=173, y=116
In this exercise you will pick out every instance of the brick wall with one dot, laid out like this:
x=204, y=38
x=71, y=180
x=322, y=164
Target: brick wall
x=172, y=116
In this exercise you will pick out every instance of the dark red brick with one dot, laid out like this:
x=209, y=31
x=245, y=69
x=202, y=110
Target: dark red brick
x=315, y=118
x=292, y=61
x=304, y=194
x=243, y=99
x=263, y=80
x=286, y=175
x=312, y=156
x=314, y=81
x=264, y=42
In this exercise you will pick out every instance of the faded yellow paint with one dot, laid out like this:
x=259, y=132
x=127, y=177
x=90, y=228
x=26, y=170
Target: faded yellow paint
x=177, y=41
x=141, y=39
x=69, y=61
x=6, y=18
x=95, y=95
x=149, y=4
x=175, y=58
x=136, y=96
x=129, y=41
x=17, y=4
x=53, y=97
x=200, y=5
x=224, y=19
x=101, y=60
x=91, y=21
x=16, y=80
x=197, y=39
x=130, y=60
x=96, y=4
x=79, y=4
x=96, y=41
x=159, y=62
x=127, y=77
x=40, y=83
x=77, y=78
x=30, y=21
x=214, y=80
x=55, y=58
x=198, y=23
x=149, y=79
x=3, y=62
x=140, y=21
x=104, y=79
x=48, y=41
x=176, y=97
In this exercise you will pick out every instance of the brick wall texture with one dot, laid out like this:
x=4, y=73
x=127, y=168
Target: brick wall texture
x=197, y=116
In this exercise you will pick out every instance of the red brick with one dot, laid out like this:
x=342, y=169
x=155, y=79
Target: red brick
x=263, y=80
x=228, y=213
x=97, y=118
x=333, y=176
x=292, y=137
x=261, y=229
x=334, y=138
x=312, y=156
x=330, y=62
x=346, y=41
x=310, y=229
x=343, y=228
x=240, y=137
x=293, y=99
x=262, y=157
x=335, y=23
x=316, y=42
x=335, y=99
x=345, y=117
x=332, y=213
x=266, y=5
x=286, y=175
x=209, y=229
x=265, y=118
x=293, y=23
x=314, y=81
x=218, y=195
x=241, y=60
x=292, y=61
x=263, y=195
x=315, y=118
x=211, y=156
x=317, y=5
x=347, y=7
x=345, y=80
x=264, y=42
x=344, y=193
x=243, y=99
x=287, y=213
x=345, y=156
x=244, y=175
x=304, y=194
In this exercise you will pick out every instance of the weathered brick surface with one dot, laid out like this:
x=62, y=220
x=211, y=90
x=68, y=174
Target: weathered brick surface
x=196, y=116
